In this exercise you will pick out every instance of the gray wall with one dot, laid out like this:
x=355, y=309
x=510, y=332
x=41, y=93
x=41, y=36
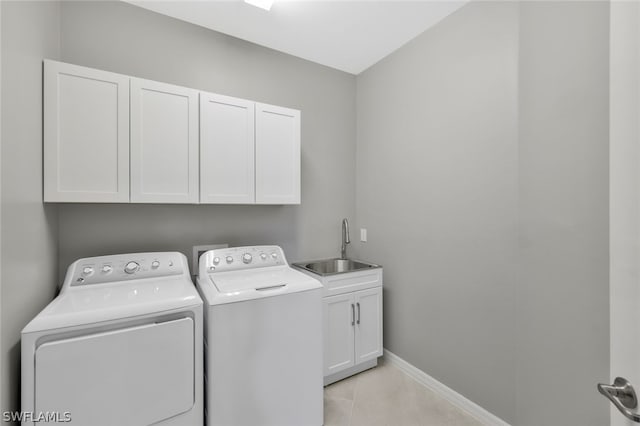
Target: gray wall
x=563, y=275
x=119, y=37
x=492, y=227
x=30, y=31
x=437, y=191
x=482, y=177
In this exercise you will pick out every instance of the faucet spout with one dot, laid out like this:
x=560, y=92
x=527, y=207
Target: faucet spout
x=345, y=238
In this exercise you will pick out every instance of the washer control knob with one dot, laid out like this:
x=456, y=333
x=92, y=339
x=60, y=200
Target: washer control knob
x=229, y=259
x=263, y=256
x=216, y=260
x=88, y=270
x=274, y=255
x=106, y=269
x=131, y=267
x=155, y=264
x=246, y=258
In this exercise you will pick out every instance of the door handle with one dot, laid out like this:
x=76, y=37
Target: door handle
x=353, y=315
x=358, y=305
x=623, y=396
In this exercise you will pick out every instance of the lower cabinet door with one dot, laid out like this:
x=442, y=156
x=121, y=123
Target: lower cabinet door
x=368, y=336
x=339, y=325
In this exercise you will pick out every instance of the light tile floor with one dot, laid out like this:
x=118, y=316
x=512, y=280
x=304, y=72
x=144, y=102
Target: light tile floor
x=385, y=396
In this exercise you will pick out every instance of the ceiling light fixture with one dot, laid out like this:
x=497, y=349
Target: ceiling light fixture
x=262, y=4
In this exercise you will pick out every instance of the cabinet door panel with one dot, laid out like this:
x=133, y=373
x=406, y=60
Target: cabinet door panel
x=368, y=324
x=338, y=316
x=86, y=134
x=226, y=150
x=277, y=155
x=164, y=143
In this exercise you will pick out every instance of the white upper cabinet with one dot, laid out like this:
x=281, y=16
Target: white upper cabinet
x=277, y=155
x=164, y=143
x=112, y=138
x=226, y=150
x=86, y=134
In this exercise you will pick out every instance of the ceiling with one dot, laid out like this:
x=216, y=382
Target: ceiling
x=346, y=35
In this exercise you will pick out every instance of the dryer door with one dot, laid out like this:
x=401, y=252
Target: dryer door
x=134, y=376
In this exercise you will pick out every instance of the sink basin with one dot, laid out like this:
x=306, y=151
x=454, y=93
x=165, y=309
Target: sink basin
x=335, y=266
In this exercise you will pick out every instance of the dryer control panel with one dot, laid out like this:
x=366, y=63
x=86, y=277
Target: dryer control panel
x=238, y=258
x=124, y=267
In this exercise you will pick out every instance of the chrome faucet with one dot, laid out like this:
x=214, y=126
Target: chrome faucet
x=345, y=238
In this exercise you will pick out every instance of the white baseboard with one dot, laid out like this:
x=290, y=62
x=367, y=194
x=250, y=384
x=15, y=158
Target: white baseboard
x=466, y=405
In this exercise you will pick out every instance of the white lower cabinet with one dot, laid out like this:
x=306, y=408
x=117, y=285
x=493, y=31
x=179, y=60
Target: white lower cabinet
x=339, y=333
x=352, y=332
x=368, y=324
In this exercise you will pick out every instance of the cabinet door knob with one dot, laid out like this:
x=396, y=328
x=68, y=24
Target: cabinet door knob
x=353, y=315
x=358, y=312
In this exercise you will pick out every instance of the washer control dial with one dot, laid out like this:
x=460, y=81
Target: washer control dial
x=155, y=264
x=106, y=269
x=88, y=270
x=274, y=255
x=131, y=267
x=216, y=260
x=229, y=259
x=246, y=258
x=263, y=256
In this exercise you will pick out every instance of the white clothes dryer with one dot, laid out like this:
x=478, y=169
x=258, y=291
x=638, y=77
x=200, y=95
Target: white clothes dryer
x=120, y=345
x=263, y=339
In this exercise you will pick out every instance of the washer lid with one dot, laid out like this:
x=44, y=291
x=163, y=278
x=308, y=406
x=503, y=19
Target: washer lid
x=113, y=301
x=235, y=286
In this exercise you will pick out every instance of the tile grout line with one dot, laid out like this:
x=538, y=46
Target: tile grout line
x=353, y=400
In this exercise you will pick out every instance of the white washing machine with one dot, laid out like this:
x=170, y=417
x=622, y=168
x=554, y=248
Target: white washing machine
x=263, y=339
x=120, y=345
